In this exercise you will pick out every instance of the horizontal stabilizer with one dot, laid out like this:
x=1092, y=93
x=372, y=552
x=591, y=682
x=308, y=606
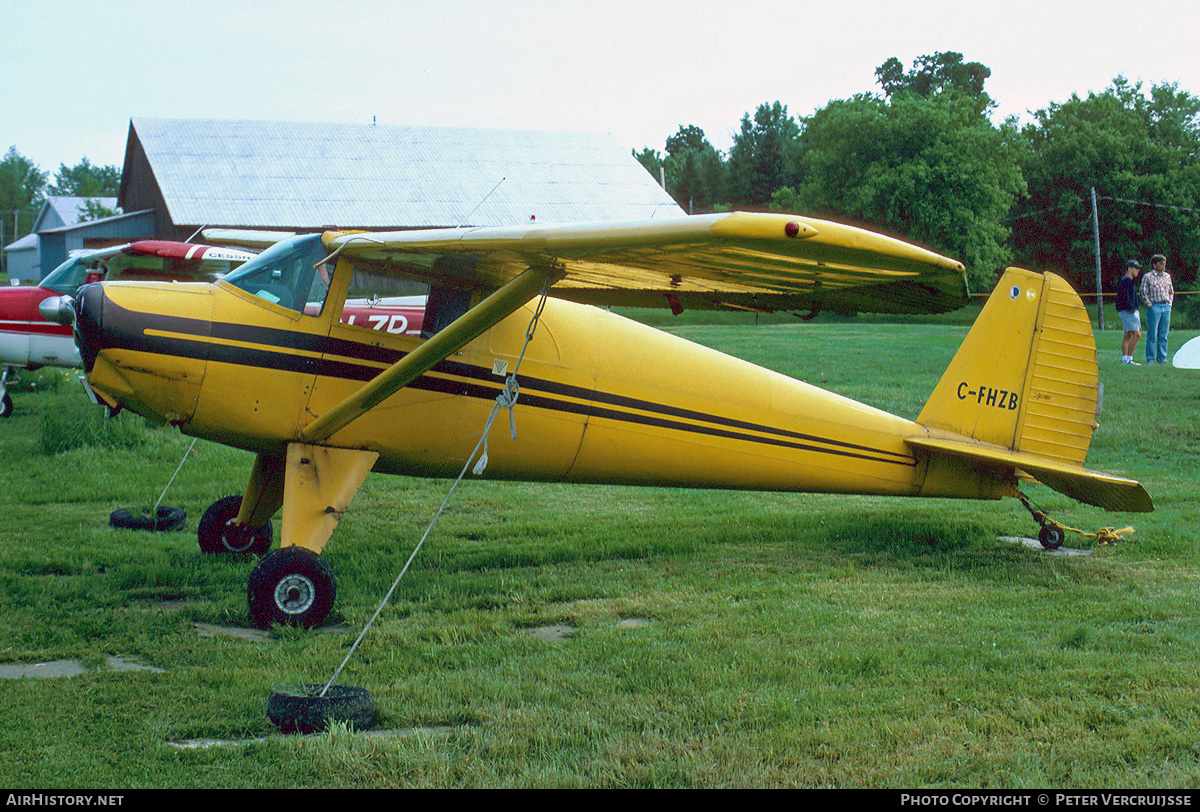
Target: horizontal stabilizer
x=1090, y=487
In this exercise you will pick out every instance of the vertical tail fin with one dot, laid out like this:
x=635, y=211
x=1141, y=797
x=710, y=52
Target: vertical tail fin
x=1021, y=396
x=1026, y=377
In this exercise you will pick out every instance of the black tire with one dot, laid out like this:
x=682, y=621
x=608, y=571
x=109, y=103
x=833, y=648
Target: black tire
x=219, y=533
x=1051, y=536
x=139, y=518
x=301, y=709
x=291, y=586
x=6, y=406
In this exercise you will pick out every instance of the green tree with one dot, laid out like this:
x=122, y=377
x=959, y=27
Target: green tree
x=22, y=187
x=931, y=169
x=93, y=209
x=689, y=137
x=652, y=160
x=935, y=74
x=1141, y=153
x=765, y=156
x=85, y=179
x=695, y=170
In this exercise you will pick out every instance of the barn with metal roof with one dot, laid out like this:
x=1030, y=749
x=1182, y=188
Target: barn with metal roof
x=307, y=176
x=60, y=228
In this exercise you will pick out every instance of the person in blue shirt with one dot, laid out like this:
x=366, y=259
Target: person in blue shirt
x=1127, y=309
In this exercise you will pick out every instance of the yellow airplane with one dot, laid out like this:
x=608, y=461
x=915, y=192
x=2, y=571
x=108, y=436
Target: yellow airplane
x=263, y=360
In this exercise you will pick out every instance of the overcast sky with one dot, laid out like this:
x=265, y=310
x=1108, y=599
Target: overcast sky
x=74, y=73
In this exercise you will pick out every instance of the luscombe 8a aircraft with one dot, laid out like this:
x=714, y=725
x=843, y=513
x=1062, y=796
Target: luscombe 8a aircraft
x=262, y=360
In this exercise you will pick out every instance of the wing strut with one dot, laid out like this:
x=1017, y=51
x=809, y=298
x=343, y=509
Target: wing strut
x=466, y=328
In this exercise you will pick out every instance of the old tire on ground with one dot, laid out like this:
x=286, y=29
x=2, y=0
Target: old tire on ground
x=219, y=533
x=140, y=518
x=6, y=406
x=1051, y=536
x=301, y=709
x=293, y=587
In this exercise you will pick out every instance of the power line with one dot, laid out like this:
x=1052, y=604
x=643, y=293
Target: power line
x=1073, y=202
x=1040, y=211
x=1189, y=209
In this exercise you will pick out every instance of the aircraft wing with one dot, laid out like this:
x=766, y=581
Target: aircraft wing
x=734, y=261
x=184, y=250
x=244, y=237
x=737, y=261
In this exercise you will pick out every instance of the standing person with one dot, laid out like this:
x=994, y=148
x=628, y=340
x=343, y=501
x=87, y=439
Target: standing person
x=1158, y=295
x=1127, y=309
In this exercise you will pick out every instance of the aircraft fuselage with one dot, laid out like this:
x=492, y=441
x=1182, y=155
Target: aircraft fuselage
x=603, y=399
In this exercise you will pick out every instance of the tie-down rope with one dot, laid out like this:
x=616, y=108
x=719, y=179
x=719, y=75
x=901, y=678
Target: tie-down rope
x=506, y=399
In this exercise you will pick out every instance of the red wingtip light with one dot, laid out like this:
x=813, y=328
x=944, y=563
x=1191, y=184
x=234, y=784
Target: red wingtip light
x=792, y=228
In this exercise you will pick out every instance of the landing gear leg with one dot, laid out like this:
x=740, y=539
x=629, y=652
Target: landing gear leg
x=6, y=404
x=315, y=484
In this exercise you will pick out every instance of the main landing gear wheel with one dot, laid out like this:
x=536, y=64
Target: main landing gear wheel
x=292, y=586
x=139, y=518
x=301, y=709
x=1051, y=536
x=6, y=406
x=219, y=531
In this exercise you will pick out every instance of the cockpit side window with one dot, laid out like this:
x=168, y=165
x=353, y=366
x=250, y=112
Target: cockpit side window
x=291, y=274
x=384, y=303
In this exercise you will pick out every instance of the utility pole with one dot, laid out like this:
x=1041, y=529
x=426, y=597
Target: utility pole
x=16, y=230
x=16, y=213
x=1099, y=289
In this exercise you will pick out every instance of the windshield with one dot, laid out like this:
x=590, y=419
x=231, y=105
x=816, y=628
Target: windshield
x=66, y=278
x=286, y=274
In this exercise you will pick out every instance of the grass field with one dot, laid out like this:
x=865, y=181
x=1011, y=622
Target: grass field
x=715, y=639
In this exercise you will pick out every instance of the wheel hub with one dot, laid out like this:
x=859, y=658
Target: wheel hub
x=237, y=538
x=295, y=594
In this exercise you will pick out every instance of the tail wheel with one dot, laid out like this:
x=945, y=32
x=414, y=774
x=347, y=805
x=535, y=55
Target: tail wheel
x=291, y=586
x=1051, y=536
x=219, y=531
